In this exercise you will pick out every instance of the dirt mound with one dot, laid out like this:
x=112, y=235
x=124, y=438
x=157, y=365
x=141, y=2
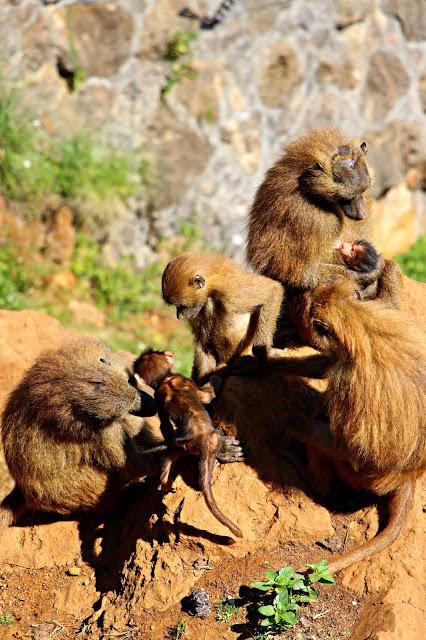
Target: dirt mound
x=133, y=570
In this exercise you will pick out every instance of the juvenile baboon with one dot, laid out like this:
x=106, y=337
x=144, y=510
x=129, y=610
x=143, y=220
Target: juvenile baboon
x=180, y=403
x=361, y=256
x=315, y=195
x=67, y=432
x=229, y=309
x=370, y=426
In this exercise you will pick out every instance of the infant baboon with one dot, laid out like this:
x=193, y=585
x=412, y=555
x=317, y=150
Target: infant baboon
x=370, y=427
x=180, y=403
x=67, y=429
x=229, y=309
x=316, y=195
x=361, y=256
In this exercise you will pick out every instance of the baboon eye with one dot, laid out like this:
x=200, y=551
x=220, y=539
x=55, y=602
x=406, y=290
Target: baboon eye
x=104, y=360
x=322, y=328
x=363, y=147
x=317, y=167
x=199, y=281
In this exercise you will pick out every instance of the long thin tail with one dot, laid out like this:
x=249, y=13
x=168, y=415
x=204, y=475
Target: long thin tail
x=400, y=503
x=11, y=507
x=206, y=469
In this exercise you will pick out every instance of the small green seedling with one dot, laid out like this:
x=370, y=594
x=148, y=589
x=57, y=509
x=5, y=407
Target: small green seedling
x=5, y=619
x=291, y=589
x=180, y=629
x=226, y=610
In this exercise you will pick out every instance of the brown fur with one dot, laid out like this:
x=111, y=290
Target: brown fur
x=316, y=194
x=67, y=431
x=229, y=309
x=180, y=401
x=370, y=427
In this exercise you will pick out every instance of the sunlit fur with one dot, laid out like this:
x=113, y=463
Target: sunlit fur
x=376, y=397
x=64, y=427
x=295, y=219
x=234, y=309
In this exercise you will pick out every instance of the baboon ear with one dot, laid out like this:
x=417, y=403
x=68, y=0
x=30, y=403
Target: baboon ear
x=198, y=281
x=317, y=167
x=364, y=147
x=322, y=328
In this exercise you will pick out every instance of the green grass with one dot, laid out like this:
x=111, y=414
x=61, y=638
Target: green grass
x=180, y=44
x=226, y=611
x=79, y=169
x=413, y=262
x=15, y=280
x=179, y=56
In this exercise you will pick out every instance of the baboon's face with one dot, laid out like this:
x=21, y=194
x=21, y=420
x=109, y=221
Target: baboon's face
x=184, y=285
x=87, y=378
x=342, y=180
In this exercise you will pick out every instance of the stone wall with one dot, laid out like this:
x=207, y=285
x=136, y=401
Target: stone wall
x=270, y=71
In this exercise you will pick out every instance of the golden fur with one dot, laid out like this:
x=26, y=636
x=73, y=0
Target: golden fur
x=67, y=430
x=229, y=309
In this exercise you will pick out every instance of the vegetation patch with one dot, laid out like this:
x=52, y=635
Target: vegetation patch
x=179, y=57
x=413, y=262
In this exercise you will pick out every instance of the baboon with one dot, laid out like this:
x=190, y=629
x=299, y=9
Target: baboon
x=229, y=309
x=361, y=256
x=369, y=427
x=180, y=403
x=67, y=432
x=315, y=196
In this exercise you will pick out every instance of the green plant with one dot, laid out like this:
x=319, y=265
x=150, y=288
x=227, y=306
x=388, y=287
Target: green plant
x=179, y=630
x=78, y=76
x=178, y=72
x=15, y=279
x=291, y=589
x=180, y=44
x=119, y=289
x=413, y=262
x=6, y=619
x=226, y=610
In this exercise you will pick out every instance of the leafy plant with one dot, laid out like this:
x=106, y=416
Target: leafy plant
x=179, y=630
x=180, y=44
x=6, y=619
x=14, y=279
x=226, y=610
x=119, y=289
x=291, y=589
x=413, y=262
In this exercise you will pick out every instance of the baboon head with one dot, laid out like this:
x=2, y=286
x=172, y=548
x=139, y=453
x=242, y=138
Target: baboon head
x=80, y=385
x=335, y=171
x=185, y=285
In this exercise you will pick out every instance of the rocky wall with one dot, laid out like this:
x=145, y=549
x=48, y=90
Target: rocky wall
x=270, y=71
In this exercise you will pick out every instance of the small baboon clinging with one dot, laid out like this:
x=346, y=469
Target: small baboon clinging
x=229, y=309
x=67, y=432
x=180, y=403
x=315, y=196
x=370, y=427
x=361, y=256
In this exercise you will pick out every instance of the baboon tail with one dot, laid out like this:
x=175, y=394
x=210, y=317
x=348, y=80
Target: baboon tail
x=400, y=503
x=11, y=507
x=206, y=469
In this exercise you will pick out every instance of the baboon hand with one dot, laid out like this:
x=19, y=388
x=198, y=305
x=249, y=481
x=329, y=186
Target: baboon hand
x=231, y=450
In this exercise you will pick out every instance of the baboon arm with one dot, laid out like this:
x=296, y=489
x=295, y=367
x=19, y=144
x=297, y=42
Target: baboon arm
x=209, y=391
x=314, y=366
x=389, y=285
x=203, y=366
x=268, y=316
x=166, y=426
